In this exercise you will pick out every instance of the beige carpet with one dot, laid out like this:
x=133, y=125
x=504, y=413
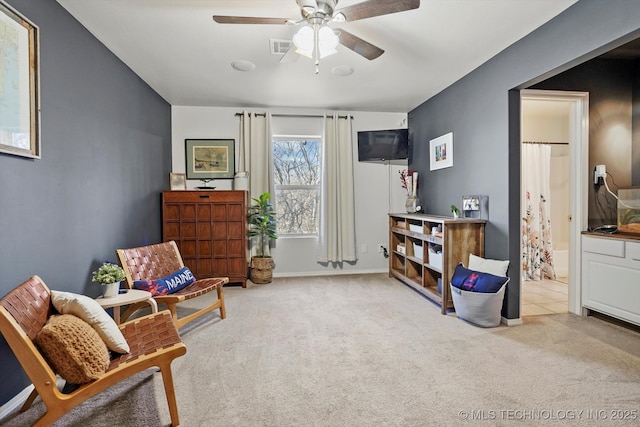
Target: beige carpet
x=366, y=350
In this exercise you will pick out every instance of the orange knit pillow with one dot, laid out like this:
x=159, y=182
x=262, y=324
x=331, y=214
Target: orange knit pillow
x=73, y=349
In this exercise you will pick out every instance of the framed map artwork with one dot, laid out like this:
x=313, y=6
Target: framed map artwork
x=20, y=88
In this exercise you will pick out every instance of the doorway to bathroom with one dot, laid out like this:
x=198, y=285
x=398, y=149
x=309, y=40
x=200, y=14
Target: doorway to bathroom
x=554, y=159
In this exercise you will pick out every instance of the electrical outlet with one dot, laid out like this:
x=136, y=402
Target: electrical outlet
x=364, y=248
x=600, y=172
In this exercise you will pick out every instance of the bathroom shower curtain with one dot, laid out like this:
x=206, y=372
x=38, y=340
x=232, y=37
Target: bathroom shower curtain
x=537, y=253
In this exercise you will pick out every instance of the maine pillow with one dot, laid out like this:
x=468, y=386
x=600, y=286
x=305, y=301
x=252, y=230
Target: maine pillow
x=91, y=312
x=476, y=281
x=168, y=284
x=73, y=349
x=492, y=266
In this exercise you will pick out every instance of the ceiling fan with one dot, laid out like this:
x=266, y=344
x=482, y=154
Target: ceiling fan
x=318, y=13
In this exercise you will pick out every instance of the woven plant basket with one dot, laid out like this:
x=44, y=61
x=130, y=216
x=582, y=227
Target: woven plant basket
x=262, y=270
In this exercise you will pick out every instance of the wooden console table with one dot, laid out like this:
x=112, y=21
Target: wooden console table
x=425, y=250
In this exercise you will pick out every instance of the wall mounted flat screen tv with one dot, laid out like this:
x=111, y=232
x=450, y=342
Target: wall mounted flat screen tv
x=383, y=145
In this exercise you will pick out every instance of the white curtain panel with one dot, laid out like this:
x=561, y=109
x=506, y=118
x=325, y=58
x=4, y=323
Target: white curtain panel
x=337, y=240
x=537, y=253
x=255, y=153
x=255, y=159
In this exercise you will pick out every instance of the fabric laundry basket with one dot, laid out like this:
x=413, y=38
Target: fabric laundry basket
x=480, y=308
x=477, y=296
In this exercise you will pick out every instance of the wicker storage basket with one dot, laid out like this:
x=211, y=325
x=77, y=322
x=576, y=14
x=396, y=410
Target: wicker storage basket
x=262, y=269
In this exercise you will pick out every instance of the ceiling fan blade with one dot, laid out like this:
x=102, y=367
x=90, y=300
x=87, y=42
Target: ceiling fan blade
x=359, y=46
x=249, y=20
x=371, y=8
x=290, y=55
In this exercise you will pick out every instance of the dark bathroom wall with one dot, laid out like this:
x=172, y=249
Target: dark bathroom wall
x=609, y=83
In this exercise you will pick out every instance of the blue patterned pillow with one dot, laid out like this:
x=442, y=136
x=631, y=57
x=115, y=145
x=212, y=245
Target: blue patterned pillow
x=476, y=281
x=168, y=284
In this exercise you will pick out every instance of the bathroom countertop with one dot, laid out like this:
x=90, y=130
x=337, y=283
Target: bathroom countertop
x=622, y=236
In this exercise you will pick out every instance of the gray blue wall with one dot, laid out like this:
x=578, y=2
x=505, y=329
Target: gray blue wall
x=106, y=155
x=482, y=111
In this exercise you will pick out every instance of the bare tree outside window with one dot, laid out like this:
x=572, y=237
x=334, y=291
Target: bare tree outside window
x=296, y=162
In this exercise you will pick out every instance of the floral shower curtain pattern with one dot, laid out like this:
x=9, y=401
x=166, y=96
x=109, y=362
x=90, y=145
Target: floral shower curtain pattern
x=537, y=252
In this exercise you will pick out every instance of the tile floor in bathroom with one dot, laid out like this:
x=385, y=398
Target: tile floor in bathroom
x=544, y=297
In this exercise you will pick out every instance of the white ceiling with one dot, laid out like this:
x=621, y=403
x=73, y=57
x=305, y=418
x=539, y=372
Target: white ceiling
x=177, y=48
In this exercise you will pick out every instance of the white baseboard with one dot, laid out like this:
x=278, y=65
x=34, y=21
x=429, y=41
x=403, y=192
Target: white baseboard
x=512, y=322
x=15, y=403
x=331, y=272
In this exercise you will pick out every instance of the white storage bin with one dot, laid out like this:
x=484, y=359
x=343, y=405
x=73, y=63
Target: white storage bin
x=435, y=258
x=415, y=227
x=418, y=251
x=401, y=249
x=480, y=308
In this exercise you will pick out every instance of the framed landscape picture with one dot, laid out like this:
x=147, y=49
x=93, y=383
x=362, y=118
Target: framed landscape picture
x=209, y=158
x=20, y=94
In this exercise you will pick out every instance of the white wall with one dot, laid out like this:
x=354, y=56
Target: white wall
x=377, y=186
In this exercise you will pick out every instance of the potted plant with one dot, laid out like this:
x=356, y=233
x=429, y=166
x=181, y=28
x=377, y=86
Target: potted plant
x=455, y=211
x=109, y=275
x=262, y=225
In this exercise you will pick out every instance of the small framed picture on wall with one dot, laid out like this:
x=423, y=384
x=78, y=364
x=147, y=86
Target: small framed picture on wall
x=441, y=152
x=178, y=181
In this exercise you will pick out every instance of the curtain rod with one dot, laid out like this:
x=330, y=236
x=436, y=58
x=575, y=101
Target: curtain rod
x=295, y=115
x=545, y=143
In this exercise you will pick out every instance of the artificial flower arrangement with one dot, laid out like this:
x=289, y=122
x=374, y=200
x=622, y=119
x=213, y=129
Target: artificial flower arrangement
x=409, y=181
x=108, y=273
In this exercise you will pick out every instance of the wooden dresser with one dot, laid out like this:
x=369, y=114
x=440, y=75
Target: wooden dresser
x=210, y=230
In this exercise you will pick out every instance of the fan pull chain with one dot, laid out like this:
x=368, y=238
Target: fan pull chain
x=316, y=47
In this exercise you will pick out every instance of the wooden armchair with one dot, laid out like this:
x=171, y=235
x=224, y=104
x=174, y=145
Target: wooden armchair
x=153, y=342
x=160, y=260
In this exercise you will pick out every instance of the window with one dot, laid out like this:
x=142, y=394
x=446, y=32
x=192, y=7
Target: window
x=296, y=169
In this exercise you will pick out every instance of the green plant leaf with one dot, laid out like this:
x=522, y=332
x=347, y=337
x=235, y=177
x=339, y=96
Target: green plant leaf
x=108, y=273
x=262, y=221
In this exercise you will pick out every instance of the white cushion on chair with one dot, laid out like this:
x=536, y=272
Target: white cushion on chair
x=91, y=312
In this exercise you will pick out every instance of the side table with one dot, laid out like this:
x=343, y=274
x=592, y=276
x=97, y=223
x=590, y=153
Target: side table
x=130, y=297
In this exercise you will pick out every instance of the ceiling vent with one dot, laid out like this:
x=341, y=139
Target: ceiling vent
x=280, y=47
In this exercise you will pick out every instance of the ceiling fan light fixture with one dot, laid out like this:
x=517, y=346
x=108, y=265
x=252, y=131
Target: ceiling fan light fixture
x=303, y=40
x=327, y=41
x=339, y=17
x=308, y=10
x=307, y=53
